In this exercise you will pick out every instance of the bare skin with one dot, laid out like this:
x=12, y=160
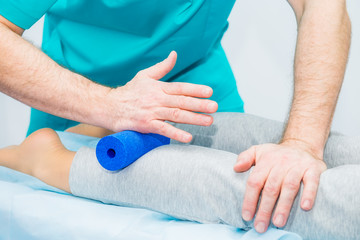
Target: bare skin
x=88, y=130
x=42, y=155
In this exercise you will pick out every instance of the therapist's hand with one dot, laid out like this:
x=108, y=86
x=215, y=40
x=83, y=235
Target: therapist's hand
x=277, y=174
x=144, y=104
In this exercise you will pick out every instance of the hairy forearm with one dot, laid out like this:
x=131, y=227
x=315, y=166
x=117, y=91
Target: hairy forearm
x=30, y=76
x=320, y=62
x=143, y=104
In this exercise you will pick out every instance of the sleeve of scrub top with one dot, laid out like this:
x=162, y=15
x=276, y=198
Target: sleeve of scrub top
x=24, y=13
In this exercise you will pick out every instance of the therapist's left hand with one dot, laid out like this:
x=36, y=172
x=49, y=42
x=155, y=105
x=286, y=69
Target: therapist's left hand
x=277, y=175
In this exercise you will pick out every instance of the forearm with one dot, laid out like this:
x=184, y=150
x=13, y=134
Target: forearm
x=143, y=104
x=30, y=76
x=320, y=62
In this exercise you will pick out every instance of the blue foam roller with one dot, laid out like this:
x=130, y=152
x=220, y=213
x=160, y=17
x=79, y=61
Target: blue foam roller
x=119, y=150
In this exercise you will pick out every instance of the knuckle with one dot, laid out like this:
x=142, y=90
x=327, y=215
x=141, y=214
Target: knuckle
x=182, y=102
x=254, y=183
x=271, y=191
x=311, y=192
x=146, y=120
x=162, y=128
x=143, y=121
x=264, y=214
x=314, y=177
x=175, y=135
x=311, y=177
x=291, y=185
x=140, y=74
x=249, y=205
x=175, y=113
x=283, y=208
x=157, y=113
x=203, y=104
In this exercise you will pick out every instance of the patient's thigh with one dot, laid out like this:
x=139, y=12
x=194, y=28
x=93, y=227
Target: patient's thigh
x=336, y=212
x=197, y=183
x=235, y=132
x=188, y=182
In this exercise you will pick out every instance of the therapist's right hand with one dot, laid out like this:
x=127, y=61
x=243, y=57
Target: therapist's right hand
x=145, y=103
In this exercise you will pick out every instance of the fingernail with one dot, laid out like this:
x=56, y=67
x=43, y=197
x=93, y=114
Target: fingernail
x=279, y=220
x=207, y=119
x=260, y=227
x=212, y=106
x=307, y=204
x=171, y=53
x=186, y=137
x=207, y=91
x=246, y=215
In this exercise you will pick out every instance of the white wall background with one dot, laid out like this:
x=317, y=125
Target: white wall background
x=260, y=45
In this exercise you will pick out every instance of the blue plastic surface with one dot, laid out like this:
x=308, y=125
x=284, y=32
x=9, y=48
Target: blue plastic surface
x=119, y=150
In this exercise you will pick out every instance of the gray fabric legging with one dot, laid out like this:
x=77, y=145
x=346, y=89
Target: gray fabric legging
x=197, y=182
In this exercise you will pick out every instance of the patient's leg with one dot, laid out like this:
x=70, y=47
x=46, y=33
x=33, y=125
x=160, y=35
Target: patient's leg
x=188, y=182
x=89, y=130
x=41, y=155
x=196, y=183
x=167, y=180
x=236, y=132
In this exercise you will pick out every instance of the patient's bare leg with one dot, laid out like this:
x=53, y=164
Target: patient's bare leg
x=89, y=130
x=41, y=155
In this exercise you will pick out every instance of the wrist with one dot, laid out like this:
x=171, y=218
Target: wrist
x=103, y=112
x=311, y=133
x=316, y=152
x=111, y=108
x=95, y=103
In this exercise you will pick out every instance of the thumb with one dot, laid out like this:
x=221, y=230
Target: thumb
x=159, y=70
x=245, y=160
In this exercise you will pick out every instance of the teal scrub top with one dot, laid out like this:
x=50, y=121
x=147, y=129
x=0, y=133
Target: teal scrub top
x=109, y=41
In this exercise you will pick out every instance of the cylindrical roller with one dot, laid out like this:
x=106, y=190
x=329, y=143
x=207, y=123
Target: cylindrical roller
x=119, y=150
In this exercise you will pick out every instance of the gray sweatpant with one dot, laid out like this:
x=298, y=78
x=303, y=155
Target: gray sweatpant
x=197, y=181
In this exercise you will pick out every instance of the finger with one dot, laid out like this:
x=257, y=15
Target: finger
x=159, y=70
x=191, y=104
x=311, y=182
x=188, y=89
x=254, y=186
x=289, y=190
x=170, y=131
x=182, y=116
x=269, y=196
x=245, y=160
